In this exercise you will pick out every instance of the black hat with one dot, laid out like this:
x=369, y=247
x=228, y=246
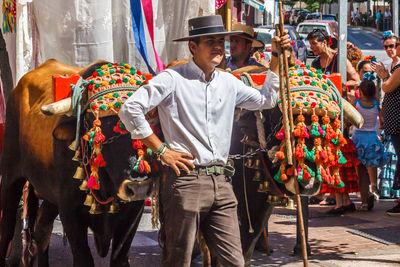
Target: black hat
x=205, y=26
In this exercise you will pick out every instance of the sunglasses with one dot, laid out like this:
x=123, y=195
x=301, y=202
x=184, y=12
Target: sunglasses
x=391, y=46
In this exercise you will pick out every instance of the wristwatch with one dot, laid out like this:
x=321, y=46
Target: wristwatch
x=274, y=54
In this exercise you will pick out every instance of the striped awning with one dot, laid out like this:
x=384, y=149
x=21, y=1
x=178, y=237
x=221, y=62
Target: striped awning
x=256, y=4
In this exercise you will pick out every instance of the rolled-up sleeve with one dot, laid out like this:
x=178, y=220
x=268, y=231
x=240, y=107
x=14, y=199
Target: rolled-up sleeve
x=147, y=97
x=253, y=99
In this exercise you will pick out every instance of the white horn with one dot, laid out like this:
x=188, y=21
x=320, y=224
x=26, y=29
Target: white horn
x=58, y=108
x=351, y=114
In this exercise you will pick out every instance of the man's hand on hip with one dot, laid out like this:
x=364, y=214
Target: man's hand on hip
x=176, y=160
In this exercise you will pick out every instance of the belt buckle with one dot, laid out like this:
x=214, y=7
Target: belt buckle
x=207, y=172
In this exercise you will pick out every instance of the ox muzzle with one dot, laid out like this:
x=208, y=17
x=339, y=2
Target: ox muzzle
x=135, y=189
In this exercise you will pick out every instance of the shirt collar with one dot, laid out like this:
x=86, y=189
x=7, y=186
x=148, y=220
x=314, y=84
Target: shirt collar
x=197, y=72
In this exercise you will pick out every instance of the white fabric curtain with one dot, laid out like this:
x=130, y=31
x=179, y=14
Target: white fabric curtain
x=78, y=32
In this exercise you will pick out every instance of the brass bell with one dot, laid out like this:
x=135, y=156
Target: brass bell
x=89, y=200
x=72, y=146
x=257, y=176
x=269, y=198
x=80, y=173
x=95, y=208
x=83, y=186
x=249, y=162
x=114, y=207
x=76, y=156
x=290, y=204
x=261, y=188
x=266, y=185
x=275, y=199
x=256, y=164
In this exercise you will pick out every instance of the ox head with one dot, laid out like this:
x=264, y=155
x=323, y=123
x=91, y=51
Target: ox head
x=117, y=166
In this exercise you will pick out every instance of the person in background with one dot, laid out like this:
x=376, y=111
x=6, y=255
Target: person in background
x=241, y=47
x=387, y=173
x=378, y=19
x=326, y=59
x=391, y=119
x=370, y=151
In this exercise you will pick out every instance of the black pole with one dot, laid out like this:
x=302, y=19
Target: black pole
x=297, y=248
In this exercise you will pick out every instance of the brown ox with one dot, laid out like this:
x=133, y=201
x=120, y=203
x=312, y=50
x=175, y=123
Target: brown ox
x=36, y=149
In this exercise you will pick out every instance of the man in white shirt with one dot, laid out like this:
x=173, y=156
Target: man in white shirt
x=196, y=105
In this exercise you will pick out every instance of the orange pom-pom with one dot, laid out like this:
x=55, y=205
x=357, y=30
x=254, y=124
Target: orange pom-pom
x=280, y=155
x=147, y=168
x=96, y=123
x=290, y=171
x=284, y=177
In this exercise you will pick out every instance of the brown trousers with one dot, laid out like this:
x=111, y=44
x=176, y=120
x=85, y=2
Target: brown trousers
x=199, y=201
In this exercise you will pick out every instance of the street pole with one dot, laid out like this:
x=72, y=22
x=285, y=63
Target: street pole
x=395, y=17
x=343, y=40
x=228, y=15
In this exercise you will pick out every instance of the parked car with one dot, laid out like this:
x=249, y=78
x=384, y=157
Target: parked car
x=306, y=27
x=317, y=16
x=301, y=15
x=299, y=47
x=265, y=36
x=286, y=16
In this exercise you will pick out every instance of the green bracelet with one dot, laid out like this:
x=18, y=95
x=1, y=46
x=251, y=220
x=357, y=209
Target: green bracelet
x=158, y=151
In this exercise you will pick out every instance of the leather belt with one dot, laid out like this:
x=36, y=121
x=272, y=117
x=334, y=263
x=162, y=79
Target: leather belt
x=226, y=170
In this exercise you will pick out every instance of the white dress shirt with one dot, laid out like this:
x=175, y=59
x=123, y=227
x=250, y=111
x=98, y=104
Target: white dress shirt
x=196, y=116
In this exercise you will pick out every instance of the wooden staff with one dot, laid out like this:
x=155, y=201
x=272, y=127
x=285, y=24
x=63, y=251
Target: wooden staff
x=286, y=125
x=283, y=59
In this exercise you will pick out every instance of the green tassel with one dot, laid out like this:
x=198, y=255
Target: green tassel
x=314, y=130
x=342, y=159
x=312, y=173
x=310, y=155
x=319, y=176
x=323, y=128
x=335, y=141
x=149, y=152
x=300, y=176
x=135, y=168
x=277, y=176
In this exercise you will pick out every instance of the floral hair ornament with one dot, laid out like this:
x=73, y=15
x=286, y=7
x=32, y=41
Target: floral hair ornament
x=370, y=59
x=386, y=35
x=369, y=76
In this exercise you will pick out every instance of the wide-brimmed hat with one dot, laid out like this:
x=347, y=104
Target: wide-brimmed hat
x=248, y=33
x=206, y=26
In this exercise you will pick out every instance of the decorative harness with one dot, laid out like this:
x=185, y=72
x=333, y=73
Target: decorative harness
x=107, y=89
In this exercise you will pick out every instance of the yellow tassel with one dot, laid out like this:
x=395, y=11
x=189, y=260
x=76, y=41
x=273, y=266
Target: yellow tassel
x=89, y=200
x=95, y=209
x=80, y=173
x=83, y=186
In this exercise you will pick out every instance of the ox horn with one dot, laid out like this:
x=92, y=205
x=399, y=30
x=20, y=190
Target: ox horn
x=58, y=108
x=351, y=114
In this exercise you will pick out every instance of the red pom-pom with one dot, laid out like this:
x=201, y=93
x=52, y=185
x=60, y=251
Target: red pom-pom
x=115, y=64
x=313, y=104
x=118, y=80
x=99, y=160
x=98, y=137
x=93, y=182
x=95, y=74
x=90, y=87
x=137, y=144
x=95, y=107
x=138, y=72
x=306, y=81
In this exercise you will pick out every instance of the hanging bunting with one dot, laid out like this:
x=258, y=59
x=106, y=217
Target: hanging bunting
x=9, y=15
x=219, y=3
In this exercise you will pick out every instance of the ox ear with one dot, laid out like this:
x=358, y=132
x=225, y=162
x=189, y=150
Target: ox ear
x=65, y=130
